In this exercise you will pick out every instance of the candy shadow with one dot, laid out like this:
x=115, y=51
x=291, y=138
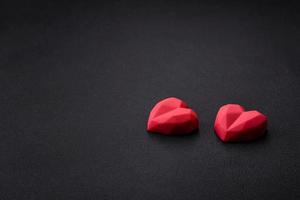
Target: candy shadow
x=174, y=138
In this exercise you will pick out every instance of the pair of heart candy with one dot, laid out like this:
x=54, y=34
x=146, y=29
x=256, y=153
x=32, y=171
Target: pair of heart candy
x=172, y=116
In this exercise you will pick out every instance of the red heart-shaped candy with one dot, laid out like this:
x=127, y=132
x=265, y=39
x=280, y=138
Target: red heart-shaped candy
x=234, y=124
x=172, y=116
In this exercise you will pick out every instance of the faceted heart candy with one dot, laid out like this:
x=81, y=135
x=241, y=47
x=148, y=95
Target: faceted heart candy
x=172, y=116
x=234, y=124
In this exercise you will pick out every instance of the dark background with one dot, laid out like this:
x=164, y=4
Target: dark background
x=77, y=81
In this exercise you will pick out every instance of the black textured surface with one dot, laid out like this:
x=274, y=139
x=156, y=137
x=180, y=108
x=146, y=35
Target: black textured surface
x=77, y=81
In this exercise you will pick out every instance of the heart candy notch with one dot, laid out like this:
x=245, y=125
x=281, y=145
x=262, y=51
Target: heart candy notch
x=234, y=124
x=172, y=116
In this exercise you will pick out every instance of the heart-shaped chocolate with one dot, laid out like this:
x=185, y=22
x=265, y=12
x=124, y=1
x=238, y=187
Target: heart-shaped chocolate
x=234, y=124
x=172, y=116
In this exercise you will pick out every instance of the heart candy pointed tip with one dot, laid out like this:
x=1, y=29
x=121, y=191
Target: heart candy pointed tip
x=172, y=116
